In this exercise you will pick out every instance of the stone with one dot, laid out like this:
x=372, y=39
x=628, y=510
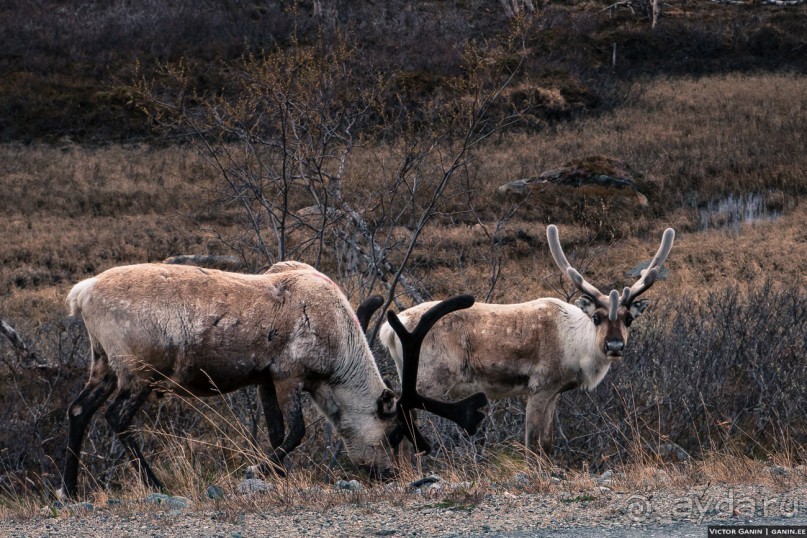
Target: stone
x=215, y=492
x=157, y=498
x=253, y=485
x=168, y=500
x=778, y=470
x=87, y=507
x=352, y=485
x=606, y=478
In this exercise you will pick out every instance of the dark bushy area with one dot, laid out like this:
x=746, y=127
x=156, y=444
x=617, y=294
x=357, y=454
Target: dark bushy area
x=62, y=63
x=723, y=372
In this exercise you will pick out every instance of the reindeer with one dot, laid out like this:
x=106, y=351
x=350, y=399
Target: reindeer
x=205, y=332
x=540, y=348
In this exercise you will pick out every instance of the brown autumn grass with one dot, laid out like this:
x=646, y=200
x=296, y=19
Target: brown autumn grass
x=73, y=211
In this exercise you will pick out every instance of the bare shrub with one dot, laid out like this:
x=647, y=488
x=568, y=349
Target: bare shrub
x=721, y=370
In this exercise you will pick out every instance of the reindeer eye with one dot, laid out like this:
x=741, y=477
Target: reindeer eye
x=628, y=320
x=596, y=319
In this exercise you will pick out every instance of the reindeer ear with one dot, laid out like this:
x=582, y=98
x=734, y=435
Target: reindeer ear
x=586, y=304
x=638, y=307
x=386, y=404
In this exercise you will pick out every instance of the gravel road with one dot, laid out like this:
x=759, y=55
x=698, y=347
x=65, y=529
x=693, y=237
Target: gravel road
x=504, y=513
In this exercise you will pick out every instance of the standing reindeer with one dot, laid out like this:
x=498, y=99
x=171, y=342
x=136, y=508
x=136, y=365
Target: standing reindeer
x=540, y=348
x=205, y=332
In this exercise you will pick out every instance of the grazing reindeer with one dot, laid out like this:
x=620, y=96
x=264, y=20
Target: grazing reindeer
x=205, y=332
x=539, y=349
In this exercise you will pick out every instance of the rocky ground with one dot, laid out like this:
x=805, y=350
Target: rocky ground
x=429, y=507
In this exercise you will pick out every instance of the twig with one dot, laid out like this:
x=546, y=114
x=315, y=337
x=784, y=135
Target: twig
x=27, y=357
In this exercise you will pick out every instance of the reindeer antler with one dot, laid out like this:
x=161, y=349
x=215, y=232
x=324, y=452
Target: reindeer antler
x=465, y=412
x=577, y=279
x=629, y=295
x=650, y=274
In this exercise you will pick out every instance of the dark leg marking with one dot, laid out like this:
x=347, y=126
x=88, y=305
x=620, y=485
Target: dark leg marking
x=98, y=388
x=294, y=411
x=120, y=414
x=280, y=402
x=273, y=414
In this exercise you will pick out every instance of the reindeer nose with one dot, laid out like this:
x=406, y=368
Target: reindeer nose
x=614, y=347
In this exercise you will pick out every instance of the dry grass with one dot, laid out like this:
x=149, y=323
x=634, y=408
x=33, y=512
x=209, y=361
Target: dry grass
x=73, y=211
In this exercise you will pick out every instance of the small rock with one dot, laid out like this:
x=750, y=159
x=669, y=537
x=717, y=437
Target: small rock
x=434, y=489
x=214, y=492
x=555, y=480
x=522, y=479
x=516, y=189
x=778, y=470
x=157, y=498
x=425, y=481
x=606, y=478
x=660, y=476
x=113, y=502
x=87, y=507
x=604, y=489
x=352, y=485
x=253, y=485
x=168, y=500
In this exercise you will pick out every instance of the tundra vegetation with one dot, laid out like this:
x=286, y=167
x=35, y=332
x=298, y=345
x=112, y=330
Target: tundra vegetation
x=371, y=145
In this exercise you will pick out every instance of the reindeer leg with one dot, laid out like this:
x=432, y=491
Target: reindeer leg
x=273, y=414
x=120, y=414
x=547, y=430
x=100, y=385
x=279, y=402
x=540, y=413
x=293, y=408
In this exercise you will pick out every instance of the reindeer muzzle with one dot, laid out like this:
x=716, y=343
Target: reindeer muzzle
x=614, y=350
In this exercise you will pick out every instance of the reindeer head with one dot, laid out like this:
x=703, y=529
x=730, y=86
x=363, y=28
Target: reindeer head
x=611, y=314
x=396, y=414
